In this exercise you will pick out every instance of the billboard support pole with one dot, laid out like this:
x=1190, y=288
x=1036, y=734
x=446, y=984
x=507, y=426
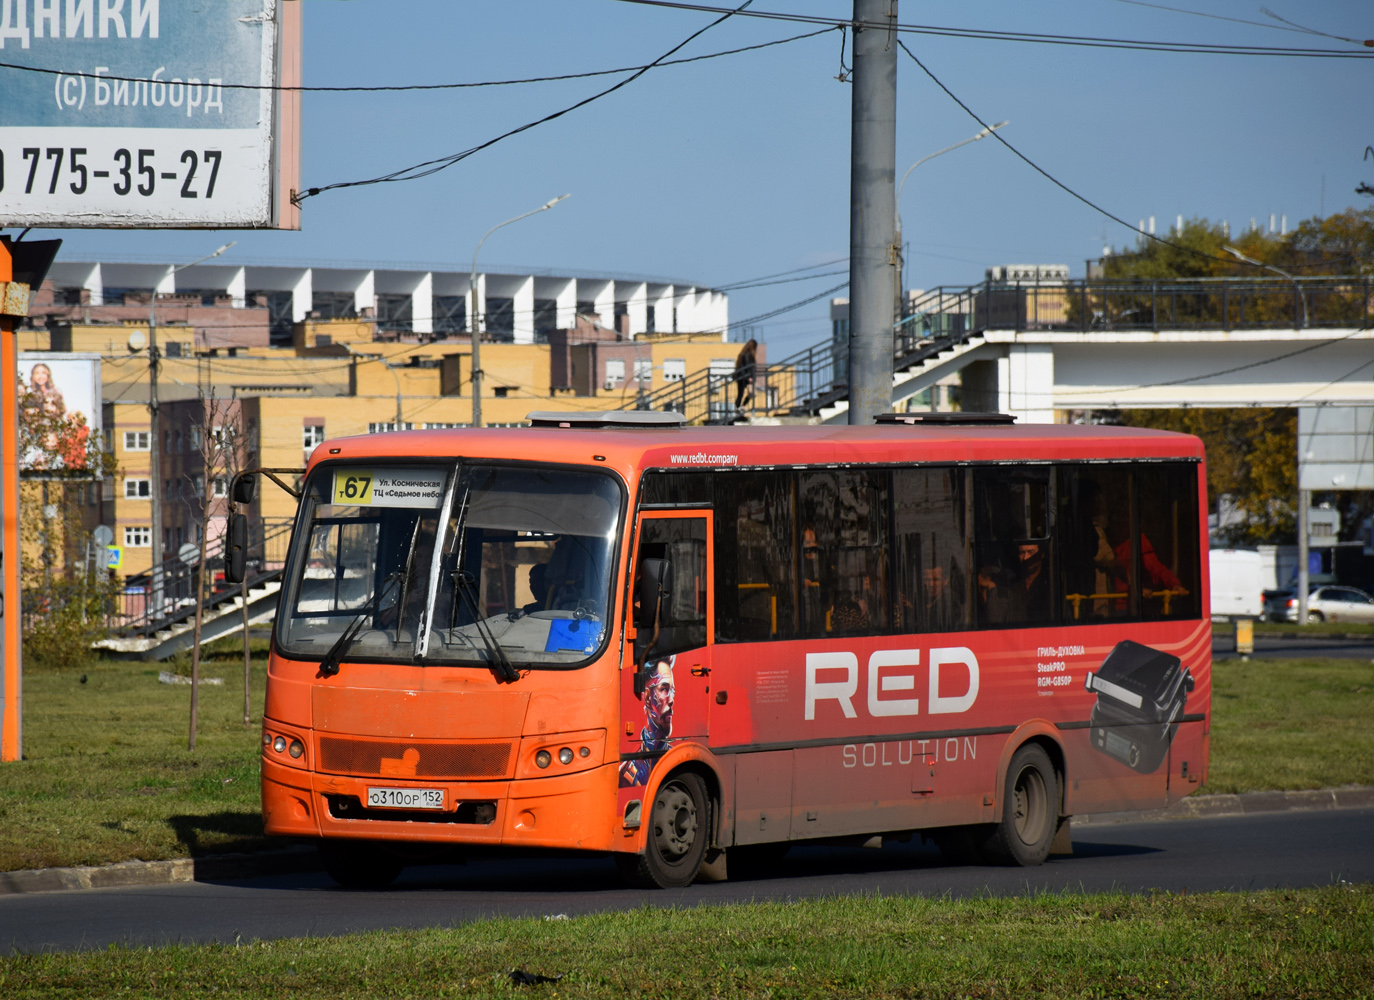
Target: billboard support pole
x=11, y=666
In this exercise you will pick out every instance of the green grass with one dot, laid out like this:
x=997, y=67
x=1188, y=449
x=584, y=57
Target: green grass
x=107, y=776
x=1291, y=724
x=1307, y=943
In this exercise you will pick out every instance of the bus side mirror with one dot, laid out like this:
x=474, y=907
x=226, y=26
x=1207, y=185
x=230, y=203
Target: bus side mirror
x=236, y=549
x=245, y=488
x=655, y=583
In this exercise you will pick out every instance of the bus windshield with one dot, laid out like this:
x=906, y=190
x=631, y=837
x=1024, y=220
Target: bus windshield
x=523, y=571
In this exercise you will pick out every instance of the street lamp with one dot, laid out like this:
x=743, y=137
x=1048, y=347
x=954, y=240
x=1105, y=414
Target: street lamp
x=475, y=325
x=154, y=434
x=897, y=202
x=1302, y=296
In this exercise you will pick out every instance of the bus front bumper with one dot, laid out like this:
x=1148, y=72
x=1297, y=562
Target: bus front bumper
x=568, y=811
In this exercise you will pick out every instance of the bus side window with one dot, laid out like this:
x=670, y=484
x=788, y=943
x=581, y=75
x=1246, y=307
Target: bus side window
x=1096, y=543
x=931, y=542
x=844, y=521
x=1014, y=553
x=1169, y=577
x=682, y=541
x=756, y=556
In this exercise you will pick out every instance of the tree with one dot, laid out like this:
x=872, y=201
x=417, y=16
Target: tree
x=66, y=594
x=1252, y=453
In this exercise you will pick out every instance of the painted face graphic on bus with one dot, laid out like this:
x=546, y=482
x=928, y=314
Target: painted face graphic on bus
x=658, y=698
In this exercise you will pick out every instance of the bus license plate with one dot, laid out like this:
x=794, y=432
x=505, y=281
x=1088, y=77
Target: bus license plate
x=405, y=798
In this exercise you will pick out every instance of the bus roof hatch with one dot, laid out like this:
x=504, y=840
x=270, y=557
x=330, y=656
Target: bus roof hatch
x=587, y=419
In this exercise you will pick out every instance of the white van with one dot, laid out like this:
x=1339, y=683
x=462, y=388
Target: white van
x=1237, y=586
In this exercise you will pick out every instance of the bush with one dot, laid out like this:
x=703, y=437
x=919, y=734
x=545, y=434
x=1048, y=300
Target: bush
x=63, y=617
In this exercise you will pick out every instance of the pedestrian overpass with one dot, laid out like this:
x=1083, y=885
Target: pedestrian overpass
x=1038, y=349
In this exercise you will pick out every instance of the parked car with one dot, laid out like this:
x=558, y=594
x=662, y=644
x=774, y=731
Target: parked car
x=1324, y=604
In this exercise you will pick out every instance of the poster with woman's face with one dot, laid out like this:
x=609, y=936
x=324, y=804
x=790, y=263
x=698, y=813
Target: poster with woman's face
x=61, y=385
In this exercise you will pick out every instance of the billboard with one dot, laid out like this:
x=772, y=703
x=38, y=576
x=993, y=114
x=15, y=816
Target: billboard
x=149, y=113
x=57, y=388
x=1336, y=447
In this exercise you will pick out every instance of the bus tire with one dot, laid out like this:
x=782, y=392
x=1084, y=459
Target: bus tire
x=1030, y=810
x=679, y=832
x=357, y=865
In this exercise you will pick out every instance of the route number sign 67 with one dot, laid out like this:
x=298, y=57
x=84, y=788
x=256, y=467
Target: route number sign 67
x=353, y=487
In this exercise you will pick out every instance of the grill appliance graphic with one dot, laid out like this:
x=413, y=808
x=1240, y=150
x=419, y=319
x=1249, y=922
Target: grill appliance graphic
x=1141, y=693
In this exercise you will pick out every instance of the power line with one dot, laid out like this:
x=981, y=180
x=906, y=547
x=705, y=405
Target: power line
x=393, y=88
x=780, y=274
x=788, y=308
x=429, y=167
x=1050, y=177
x=1081, y=41
x=783, y=281
x=1219, y=17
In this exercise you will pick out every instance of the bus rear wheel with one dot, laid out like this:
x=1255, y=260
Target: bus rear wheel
x=1030, y=810
x=357, y=865
x=679, y=831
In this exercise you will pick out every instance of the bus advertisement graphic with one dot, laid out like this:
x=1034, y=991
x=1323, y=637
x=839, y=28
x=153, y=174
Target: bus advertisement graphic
x=1141, y=694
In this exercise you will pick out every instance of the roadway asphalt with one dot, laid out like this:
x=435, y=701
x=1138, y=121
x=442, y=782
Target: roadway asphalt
x=1292, y=849
x=1268, y=647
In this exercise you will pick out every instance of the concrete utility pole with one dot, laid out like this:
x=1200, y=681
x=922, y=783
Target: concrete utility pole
x=874, y=257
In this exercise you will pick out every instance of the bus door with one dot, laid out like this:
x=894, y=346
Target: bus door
x=664, y=693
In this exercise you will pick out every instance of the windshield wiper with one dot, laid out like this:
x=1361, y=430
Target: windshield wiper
x=463, y=584
x=329, y=666
x=500, y=662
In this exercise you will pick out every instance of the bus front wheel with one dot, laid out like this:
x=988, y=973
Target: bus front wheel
x=679, y=831
x=356, y=865
x=1030, y=810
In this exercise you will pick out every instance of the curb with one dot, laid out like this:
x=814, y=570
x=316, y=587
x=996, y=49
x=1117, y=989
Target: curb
x=288, y=861
x=1246, y=804
x=297, y=860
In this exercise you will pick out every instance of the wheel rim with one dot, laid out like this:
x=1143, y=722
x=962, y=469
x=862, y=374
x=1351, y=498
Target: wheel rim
x=675, y=822
x=1030, y=805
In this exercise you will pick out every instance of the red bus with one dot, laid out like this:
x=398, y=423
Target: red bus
x=694, y=647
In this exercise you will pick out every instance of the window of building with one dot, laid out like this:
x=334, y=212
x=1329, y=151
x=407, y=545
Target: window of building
x=615, y=371
x=137, y=441
x=138, y=489
x=312, y=435
x=198, y=485
x=722, y=369
x=221, y=486
x=674, y=369
x=644, y=369
x=138, y=537
x=384, y=428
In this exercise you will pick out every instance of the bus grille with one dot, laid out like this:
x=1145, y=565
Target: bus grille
x=394, y=759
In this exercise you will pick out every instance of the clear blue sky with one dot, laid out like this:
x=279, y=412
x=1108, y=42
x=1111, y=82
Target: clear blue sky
x=727, y=169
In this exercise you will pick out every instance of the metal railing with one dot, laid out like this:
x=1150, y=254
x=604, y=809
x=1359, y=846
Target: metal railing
x=164, y=596
x=945, y=317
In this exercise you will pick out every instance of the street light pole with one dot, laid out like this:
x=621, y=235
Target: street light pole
x=1302, y=296
x=475, y=322
x=901, y=274
x=155, y=437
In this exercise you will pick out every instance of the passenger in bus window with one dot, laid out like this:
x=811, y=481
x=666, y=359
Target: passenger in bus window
x=994, y=604
x=1032, y=599
x=943, y=606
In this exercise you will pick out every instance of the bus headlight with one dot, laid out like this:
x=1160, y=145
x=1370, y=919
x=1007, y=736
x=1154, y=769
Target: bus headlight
x=565, y=756
x=543, y=758
x=296, y=749
x=279, y=744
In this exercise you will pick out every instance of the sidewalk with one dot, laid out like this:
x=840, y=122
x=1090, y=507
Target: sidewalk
x=293, y=860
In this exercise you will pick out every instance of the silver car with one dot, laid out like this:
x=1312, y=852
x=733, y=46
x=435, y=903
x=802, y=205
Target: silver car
x=1324, y=604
